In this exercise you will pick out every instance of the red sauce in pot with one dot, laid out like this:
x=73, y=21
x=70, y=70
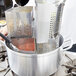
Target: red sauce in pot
x=26, y=44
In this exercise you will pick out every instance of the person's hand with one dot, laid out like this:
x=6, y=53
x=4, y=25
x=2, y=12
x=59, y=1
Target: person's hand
x=3, y=30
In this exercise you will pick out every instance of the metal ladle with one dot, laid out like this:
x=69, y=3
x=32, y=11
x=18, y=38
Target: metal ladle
x=8, y=42
x=5, y=38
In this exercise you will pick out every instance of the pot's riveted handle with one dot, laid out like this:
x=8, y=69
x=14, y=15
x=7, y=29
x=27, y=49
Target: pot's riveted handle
x=67, y=45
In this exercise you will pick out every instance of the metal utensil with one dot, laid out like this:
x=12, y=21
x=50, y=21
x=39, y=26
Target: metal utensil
x=8, y=42
x=55, y=23
x=58, y=19
x=5, y=38
x=19, y=21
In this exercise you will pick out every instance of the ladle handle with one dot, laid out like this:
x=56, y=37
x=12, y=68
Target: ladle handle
x=5, y=38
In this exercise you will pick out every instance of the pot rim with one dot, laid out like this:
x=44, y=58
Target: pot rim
x=35, y=54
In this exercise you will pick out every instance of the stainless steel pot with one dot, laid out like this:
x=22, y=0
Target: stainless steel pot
x=43, y=64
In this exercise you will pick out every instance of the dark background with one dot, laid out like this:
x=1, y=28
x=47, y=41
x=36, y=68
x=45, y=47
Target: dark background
x=4, y=5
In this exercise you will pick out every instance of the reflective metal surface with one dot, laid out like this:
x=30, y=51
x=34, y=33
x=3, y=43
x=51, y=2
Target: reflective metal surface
x=35, y=64
x=19, y=21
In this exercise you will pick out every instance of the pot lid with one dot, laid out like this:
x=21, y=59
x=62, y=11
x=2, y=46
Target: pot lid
x=68, y=26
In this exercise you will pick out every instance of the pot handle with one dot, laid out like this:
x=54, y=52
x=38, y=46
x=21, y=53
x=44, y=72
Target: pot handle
x=67, y=44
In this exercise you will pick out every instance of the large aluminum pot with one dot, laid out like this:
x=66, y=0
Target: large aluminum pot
x=35, y=64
